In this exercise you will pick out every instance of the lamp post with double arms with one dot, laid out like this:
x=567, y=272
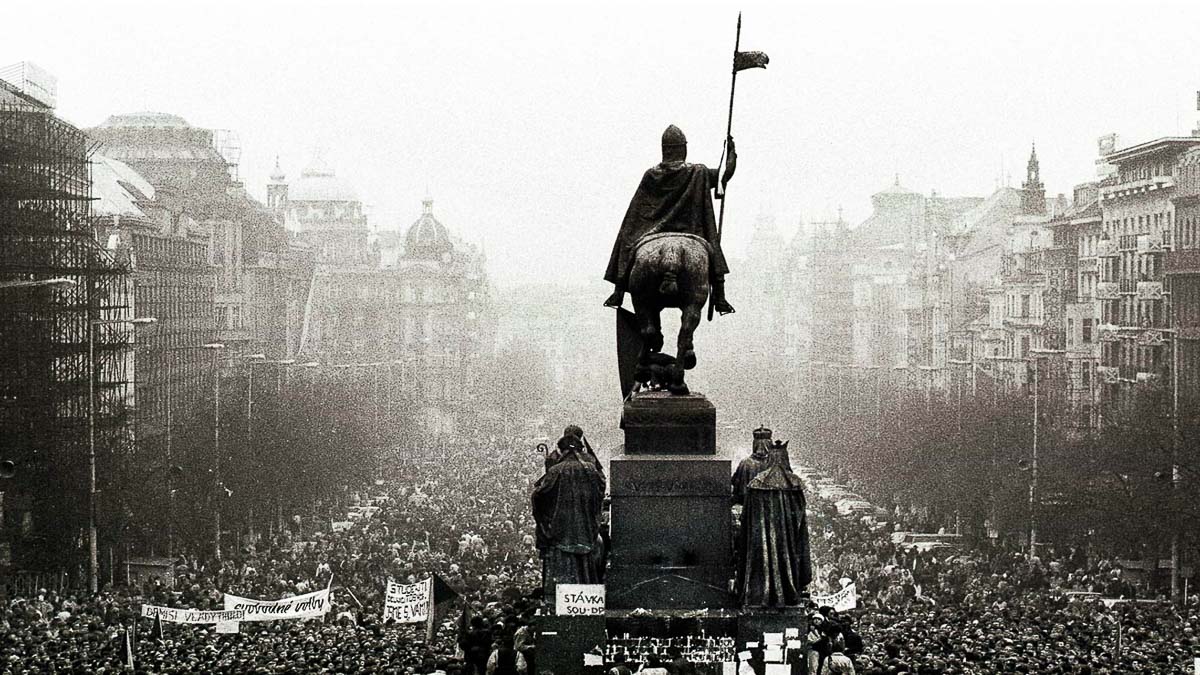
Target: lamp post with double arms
x=93, y=539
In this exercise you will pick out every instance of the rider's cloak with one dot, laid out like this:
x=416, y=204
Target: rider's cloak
x=672, y=197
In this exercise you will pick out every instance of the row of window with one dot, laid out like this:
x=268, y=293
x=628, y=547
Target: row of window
x=1146, y=223
x=1133, y=311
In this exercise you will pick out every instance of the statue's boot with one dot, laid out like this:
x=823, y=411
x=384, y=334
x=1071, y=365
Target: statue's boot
x=617, y=297
x=720, y=304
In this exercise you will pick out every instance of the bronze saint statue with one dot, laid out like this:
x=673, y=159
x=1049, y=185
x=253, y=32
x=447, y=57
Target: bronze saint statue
x=668, y=252
x=555, y=456
x=774, y=568
x=752, y=465
x=566, y=504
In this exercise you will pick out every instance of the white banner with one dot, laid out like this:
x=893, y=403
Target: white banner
x=407, y=603
x=174, y=615
x=300, y=607
x=579, y=600
x=845, y=599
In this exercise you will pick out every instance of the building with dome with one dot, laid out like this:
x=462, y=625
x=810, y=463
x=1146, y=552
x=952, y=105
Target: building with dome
x=323, y=212
x=416, y=304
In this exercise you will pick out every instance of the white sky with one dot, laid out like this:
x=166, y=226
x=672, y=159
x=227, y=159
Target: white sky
x=531, y=124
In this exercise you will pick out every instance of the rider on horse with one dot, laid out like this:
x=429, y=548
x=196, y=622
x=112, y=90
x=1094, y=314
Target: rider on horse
x=673, y=197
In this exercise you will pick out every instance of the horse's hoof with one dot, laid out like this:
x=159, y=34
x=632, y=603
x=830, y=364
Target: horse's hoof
x=689, y=359
x=680, y=389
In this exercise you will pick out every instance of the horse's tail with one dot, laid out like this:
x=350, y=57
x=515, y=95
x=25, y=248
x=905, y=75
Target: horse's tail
x=671, y=261
x=669, y=285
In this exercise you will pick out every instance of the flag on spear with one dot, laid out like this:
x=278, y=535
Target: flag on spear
x=747, y=60
x=741, y=61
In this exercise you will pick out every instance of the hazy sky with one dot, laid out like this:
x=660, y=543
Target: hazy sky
x=531, y=124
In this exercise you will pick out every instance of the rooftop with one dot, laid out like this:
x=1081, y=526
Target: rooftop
x=1165, y=144
x=146, y=119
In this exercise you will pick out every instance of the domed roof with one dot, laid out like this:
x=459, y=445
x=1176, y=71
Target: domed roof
x=277, y=175
x=318, y=183
x=427, y=238
x=146, y=119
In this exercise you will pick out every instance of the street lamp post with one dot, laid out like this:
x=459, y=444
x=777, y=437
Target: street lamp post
x=93, y=540
x=214, y=503
x=1033, y=468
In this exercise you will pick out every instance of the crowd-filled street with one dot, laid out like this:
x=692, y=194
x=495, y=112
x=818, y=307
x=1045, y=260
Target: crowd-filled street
x=296, y=297
x=942, y=611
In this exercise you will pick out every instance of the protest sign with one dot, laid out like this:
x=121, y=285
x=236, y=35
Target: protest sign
x=174, y=615
x=298, y=607
x=407, y=603
x=579, y=600
x=843, y=600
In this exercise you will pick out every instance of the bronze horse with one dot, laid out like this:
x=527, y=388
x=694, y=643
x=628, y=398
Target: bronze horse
x=669, y=270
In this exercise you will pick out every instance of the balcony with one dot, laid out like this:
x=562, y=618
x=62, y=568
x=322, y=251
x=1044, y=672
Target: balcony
x=1182, y=262
x=1150, y=243
x=1149, y=290
x=1136, y=187
x=1107, y=290
x=1023, y=321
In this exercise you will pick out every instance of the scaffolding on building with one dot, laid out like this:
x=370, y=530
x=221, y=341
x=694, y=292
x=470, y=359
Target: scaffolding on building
x=46, y=233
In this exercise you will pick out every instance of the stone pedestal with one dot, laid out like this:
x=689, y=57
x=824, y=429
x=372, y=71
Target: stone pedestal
x=658, y=423
x=671, y=526
x=563, y=640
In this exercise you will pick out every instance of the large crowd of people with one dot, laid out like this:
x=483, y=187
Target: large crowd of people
x=939, y=611
x=434, y=517
x=997, y=611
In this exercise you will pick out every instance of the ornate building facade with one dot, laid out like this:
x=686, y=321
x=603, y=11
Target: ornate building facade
x=414, y=304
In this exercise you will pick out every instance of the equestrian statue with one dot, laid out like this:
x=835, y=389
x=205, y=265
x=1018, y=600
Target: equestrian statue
x=668, y=255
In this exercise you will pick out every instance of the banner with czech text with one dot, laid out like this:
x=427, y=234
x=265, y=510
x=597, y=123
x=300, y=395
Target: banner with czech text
x=407, y=603
x=299, y=607
x=174, y=615
x=843, y=600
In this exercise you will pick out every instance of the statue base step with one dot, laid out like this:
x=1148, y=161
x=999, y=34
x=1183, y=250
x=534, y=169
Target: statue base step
x=659, y=423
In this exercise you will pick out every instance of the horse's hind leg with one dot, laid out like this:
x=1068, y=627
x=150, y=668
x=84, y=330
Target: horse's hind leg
x=689, y=321
x=651, y=328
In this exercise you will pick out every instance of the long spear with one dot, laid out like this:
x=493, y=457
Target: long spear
x=741, y=61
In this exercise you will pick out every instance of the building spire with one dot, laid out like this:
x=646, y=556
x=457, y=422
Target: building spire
x=1033, y=193
x=1033, y=172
